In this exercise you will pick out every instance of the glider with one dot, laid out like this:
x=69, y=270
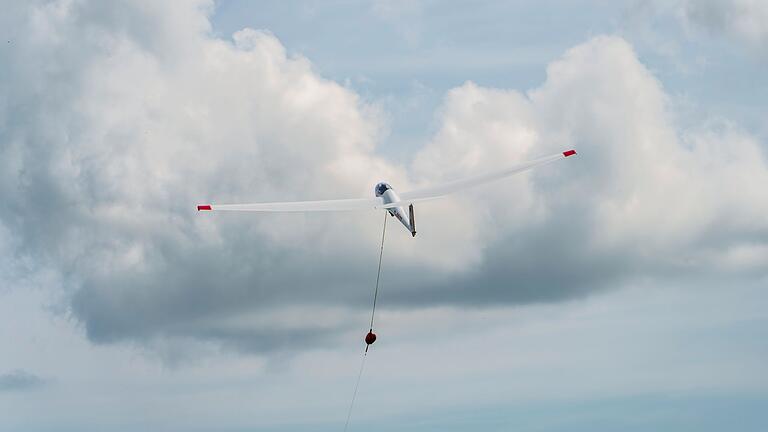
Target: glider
x=386, y=198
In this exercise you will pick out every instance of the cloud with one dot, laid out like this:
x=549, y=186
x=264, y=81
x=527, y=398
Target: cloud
x=118, y=123
x=642, y=198
x=18, y=380
x=743, y=20
x=110, y=146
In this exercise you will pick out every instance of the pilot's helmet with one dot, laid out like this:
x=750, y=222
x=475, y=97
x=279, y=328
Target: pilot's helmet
x=381, y=188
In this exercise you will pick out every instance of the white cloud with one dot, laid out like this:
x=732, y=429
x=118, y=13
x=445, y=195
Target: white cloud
x=120, y=126
x=639, y=184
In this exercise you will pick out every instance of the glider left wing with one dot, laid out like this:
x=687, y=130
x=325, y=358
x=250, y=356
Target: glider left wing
x=299, y=206
x=450, y=187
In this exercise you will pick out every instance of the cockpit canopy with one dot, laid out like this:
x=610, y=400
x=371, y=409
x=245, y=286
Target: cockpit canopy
x=381, y=188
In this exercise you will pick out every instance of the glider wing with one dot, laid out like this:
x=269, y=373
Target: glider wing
x=299, y=206
x=377, y=203
x=446, y=188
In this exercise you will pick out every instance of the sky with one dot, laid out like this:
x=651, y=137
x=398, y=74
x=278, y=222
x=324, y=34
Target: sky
x=622, y=290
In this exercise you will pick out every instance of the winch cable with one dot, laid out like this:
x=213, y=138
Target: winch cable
x=370, y=331
x=378, y=275
x=354, y=395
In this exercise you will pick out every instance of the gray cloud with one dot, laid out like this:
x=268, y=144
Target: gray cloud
x=743, y=20
x=18, y=380
x=108, y=143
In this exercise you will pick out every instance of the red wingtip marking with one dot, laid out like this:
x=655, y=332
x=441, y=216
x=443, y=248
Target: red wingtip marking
x=569, y=153
x=203, y=207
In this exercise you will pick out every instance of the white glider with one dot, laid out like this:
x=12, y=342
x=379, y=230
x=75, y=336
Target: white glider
x=386, y=198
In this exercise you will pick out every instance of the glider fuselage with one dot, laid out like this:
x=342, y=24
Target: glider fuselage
x=388, y=195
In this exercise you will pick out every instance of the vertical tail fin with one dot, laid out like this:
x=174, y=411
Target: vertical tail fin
x=412, y=220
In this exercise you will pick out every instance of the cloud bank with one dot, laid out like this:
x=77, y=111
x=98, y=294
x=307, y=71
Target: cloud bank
x=115, y=122
x=743, y=20
x=20, y=380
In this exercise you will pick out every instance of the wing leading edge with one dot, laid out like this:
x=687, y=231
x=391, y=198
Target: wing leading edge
x=377, y=203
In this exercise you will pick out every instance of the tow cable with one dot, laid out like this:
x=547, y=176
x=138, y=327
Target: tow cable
x=370, y=338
